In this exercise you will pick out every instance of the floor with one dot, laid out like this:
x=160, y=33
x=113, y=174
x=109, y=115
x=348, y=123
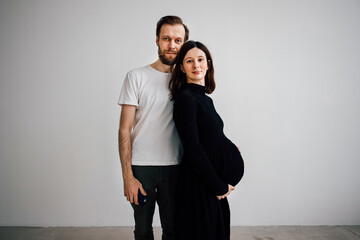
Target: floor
x=125, y=233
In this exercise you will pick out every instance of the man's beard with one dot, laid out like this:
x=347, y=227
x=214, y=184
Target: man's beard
x=165, y=60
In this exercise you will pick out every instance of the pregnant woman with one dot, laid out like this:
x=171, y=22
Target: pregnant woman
x=211, y=165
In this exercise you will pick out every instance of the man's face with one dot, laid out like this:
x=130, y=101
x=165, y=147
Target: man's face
x=170, y=40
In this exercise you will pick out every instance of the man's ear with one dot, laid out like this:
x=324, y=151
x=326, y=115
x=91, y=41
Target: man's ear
x=157, y=41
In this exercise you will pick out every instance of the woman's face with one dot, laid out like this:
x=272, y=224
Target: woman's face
x=195, y=66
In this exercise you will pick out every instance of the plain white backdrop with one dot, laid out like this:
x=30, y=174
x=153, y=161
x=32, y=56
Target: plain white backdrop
x=288, y=81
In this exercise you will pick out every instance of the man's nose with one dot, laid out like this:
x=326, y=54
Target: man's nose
x=172, y=44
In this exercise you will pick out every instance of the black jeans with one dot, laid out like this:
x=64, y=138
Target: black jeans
x=159, y=183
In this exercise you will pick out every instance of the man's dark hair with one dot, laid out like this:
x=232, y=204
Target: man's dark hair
x=172, y=20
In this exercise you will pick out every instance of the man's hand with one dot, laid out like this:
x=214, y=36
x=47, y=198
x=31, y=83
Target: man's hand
x=131, y=189
x=231, y=188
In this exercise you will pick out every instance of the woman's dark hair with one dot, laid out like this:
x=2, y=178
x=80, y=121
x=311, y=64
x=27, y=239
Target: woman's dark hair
x=172, y=20
x=178, y=78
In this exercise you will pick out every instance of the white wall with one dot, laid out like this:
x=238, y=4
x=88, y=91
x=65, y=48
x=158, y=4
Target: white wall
x=288, y=91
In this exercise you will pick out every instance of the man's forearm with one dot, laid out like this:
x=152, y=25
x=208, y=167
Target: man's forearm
x=125, y=153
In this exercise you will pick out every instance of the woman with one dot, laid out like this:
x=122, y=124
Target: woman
x=212, y=165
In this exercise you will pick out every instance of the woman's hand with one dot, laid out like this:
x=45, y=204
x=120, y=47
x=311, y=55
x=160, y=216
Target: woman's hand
x=231, y=188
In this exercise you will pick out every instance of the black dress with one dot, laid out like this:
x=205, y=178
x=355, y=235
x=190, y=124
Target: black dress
x=210, y=162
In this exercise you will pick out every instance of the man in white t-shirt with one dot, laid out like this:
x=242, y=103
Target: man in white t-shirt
x=149, y=146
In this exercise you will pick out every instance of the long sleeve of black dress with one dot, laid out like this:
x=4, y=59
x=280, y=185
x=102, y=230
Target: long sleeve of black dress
x=190, y=110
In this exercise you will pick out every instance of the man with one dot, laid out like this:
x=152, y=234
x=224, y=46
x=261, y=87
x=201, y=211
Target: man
x=149, y=145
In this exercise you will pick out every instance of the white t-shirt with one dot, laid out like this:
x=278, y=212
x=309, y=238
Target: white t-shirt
x=154, y=138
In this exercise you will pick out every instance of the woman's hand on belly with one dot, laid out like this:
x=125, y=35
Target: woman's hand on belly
x=231, y=188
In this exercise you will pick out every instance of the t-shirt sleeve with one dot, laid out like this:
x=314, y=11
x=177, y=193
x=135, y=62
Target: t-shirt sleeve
x=185, y=118
x=129, y=91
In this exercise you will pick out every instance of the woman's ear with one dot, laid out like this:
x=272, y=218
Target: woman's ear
x=182, y=68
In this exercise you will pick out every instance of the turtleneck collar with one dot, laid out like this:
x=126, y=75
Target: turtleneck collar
x=196, y=87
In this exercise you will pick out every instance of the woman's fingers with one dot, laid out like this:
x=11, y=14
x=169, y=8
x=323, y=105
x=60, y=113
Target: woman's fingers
x=231, y=188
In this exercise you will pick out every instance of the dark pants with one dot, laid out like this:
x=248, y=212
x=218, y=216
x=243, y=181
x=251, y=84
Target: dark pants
x=159, y=183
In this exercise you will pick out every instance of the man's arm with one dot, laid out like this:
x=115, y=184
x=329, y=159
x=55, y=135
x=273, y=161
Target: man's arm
x=131, y=184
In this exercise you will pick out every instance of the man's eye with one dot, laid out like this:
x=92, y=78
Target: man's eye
x=178, y=41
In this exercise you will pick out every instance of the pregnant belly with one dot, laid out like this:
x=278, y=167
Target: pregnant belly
x=230, y=164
